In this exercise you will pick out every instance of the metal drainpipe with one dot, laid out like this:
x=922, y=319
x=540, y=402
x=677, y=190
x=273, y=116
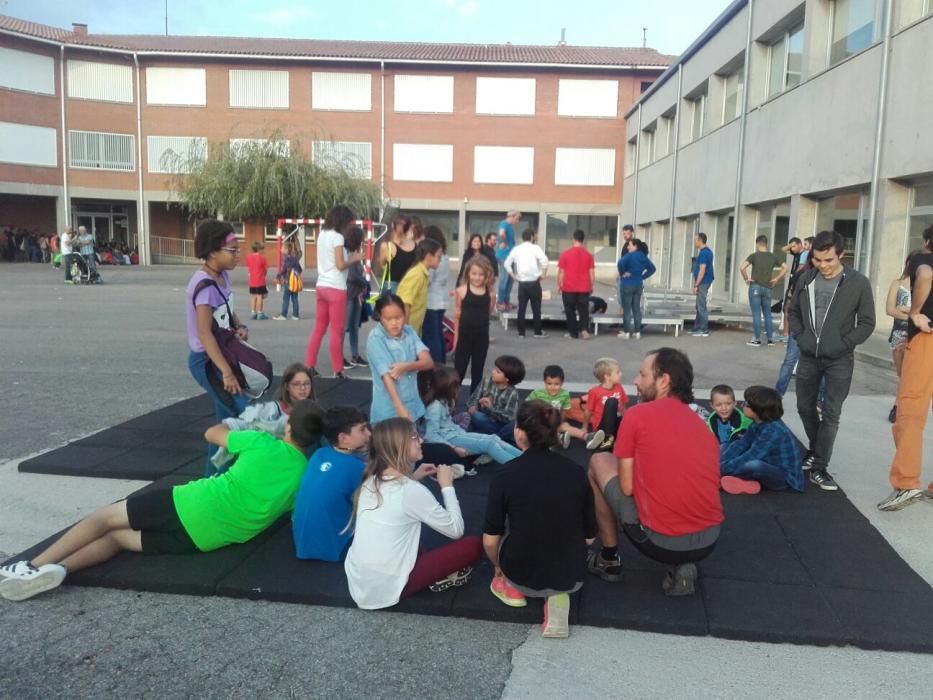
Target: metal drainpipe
x=637, y=168
x=61, y=78
x=676, y=154
x=869, y=238
x=740, y=170
x=382, y=137
x=145, y=254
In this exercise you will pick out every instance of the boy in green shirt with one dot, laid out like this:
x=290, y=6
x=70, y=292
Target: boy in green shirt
x=199, y=516
x=554, y=394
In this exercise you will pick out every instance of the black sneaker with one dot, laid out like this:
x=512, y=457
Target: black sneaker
x=892, y=416
x=360, y=362
x=753, y=343
x=607, y=569
x=821, y=478
x=807, y=463
x=340, y=375
x=771, y=343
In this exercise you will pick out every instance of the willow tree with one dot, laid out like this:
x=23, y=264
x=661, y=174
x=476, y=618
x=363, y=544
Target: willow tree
x=262, y=180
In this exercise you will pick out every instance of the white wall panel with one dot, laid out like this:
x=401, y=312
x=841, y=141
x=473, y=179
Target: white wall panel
x=433, y=94
x=344, y=92
x=259, y=89
x=588, y=98
x=508, y=96
x=25, y=144
x=108, y=82
x=103, y=151
x=22, y=70
x=185, y=146
x=176, y=86
x=423, y=162
x=585, y=166
x=354, y=157
x=513, y=165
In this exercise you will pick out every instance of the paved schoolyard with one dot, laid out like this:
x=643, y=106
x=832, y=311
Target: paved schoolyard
x=76, y=360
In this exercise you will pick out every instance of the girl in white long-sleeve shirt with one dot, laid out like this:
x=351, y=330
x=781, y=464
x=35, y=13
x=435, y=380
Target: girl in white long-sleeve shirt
x=383, y=563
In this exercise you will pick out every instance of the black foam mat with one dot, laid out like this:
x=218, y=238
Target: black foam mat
x=802, y=568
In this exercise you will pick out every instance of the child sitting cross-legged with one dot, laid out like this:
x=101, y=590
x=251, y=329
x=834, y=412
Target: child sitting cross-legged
x=767, y=455
x=554, y=394
x=439, y=395
x=494, y=403
x=606, y=401
x=200, y=516
x=726, y=421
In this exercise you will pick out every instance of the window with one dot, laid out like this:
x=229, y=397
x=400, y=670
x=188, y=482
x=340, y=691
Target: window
x=259, y=89
x=447, y=221
x=853, y=28
x=30, y=72
x=513, y=165
x=107, y=82
x=733, y=87
x=910, y=11
x=846, y=214
x=341, y=92
x=662, y=137
x=176, y=86
x=24, y=144
x=355, y=158
x=645, y=84
x=506, y=96
x=921, y=214
x=785, y=61
x=723, y=246
x=92, y=149
x=282, y=147
x=697, y=109
x=486, y=222
x=631, y=149
x=422, y=162
x=601, y=232
x=588, y=98
x=168, y=154
x=585, y=166
x=646, y=156
x=432, y=94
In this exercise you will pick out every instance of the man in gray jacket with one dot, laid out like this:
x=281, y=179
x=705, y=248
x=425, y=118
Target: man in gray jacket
x=833, y=311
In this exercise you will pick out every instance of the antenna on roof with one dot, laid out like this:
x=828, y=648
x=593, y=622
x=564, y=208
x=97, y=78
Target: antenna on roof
x=644, y=36
x=563, y=36
x=166, y=17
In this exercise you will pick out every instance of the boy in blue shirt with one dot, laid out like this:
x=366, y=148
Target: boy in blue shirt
x=325, y=499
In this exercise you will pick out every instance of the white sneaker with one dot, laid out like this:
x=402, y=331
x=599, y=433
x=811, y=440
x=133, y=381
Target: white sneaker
x=623, y=334
x=280, y=317
x=901, y=498
x=564, y=440
x=637, y=335
x=594, y=440
x=31, y=583
x=17, y=568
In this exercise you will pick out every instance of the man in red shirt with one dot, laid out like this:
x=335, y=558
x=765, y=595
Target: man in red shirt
x=663, y=493
x=576, y=271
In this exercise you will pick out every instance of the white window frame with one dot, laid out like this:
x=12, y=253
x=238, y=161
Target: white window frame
x=200, y=140
x=320, y=104
x=877, y=21
x=235, y=75
x=439, y=86
x=739, y=76
x=161, y=98
x=75, y=134
x=283, y=146
x=527, y=85
x=526, y=154
x=631, y=156
x=784, y=40
x=566, y=102
x=567, y=180
x=697, y=130
x=366, y=164
x=649, y=145
x=47, y=67
x=21, y=143
x=411, y=150
x=79, y=89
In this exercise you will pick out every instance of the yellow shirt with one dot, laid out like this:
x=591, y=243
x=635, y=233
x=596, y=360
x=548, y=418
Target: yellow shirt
x=413, y=289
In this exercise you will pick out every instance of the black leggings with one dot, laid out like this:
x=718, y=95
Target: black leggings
x=472, y=346
x=610, y=420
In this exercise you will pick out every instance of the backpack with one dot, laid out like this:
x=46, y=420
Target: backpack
x=251, y=368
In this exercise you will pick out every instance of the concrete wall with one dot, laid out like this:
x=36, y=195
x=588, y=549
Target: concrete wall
x=706, y=172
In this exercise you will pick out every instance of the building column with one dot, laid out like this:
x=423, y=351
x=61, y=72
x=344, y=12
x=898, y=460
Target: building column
x=746, y=230
x=62, y=213
x=889, y=247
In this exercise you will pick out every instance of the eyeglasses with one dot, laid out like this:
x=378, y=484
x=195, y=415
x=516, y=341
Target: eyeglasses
x=232, y=251
x=300, y=385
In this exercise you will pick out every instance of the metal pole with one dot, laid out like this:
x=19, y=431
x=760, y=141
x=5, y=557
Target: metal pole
x=676, y=154
x=61, y=73
x=739, y=171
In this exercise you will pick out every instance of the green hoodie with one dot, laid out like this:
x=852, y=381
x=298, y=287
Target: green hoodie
x=738, y=421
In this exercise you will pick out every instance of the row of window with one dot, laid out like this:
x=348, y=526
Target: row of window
x=269, y=89
x=413, y=162
x=777, y=65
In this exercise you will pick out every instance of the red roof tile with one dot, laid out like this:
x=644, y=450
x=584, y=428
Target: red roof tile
x=594, y=56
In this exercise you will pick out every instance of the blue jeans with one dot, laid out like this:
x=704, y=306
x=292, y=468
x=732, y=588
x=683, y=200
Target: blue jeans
x=701, y=322
x=432, y=333
x=286, y=297
x=630, y=296
x=492, y=445
x=505, y=284
x=225, y=405
x=769, y=476
x=482, y=423
x=354, y=310
x=759, y=299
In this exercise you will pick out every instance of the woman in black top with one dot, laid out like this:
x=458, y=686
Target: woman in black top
x=398, y=253
x=547, y=502
x=476, y=247
x=474, y=302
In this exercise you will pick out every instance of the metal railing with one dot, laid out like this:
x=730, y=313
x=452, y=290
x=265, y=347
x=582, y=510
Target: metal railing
x=172, y=251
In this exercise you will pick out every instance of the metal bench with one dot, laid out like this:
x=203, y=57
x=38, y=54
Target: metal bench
x=665, y=321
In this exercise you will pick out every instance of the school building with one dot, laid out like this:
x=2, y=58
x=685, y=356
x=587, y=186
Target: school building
x=454, y=133
x=786, y=118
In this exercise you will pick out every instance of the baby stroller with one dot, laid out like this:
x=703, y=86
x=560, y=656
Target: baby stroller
x=84, y=270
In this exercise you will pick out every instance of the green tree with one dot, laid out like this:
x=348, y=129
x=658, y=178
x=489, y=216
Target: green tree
x=265, y=179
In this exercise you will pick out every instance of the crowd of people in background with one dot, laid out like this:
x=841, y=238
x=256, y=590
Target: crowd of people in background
x=19, y=244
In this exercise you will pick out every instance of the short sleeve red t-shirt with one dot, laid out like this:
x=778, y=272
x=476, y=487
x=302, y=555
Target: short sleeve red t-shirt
x=596, y=398
x=675, y=481
x=257, y=265
x=576, y=262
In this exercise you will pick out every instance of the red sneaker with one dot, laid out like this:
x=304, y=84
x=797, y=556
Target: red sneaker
x=505, y=592
x=737, y=486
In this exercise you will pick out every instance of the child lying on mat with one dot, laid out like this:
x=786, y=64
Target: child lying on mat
x=767, y=455
x=199, y=516
x=270, y=416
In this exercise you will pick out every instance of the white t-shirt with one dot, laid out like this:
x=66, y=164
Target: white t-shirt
x=67, y=241
x=327, y=273
x=385, y=543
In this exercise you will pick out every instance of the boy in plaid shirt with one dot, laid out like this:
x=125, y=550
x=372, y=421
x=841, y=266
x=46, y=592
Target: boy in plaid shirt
x=494, y=403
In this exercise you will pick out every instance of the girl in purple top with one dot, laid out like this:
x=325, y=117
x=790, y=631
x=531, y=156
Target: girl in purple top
x=216, y=244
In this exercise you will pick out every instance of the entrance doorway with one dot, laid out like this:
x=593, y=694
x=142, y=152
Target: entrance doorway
x=97, y=224
x=106, y=221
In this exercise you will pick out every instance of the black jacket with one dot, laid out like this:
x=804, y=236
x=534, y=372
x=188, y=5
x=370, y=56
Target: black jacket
x=850, y=318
